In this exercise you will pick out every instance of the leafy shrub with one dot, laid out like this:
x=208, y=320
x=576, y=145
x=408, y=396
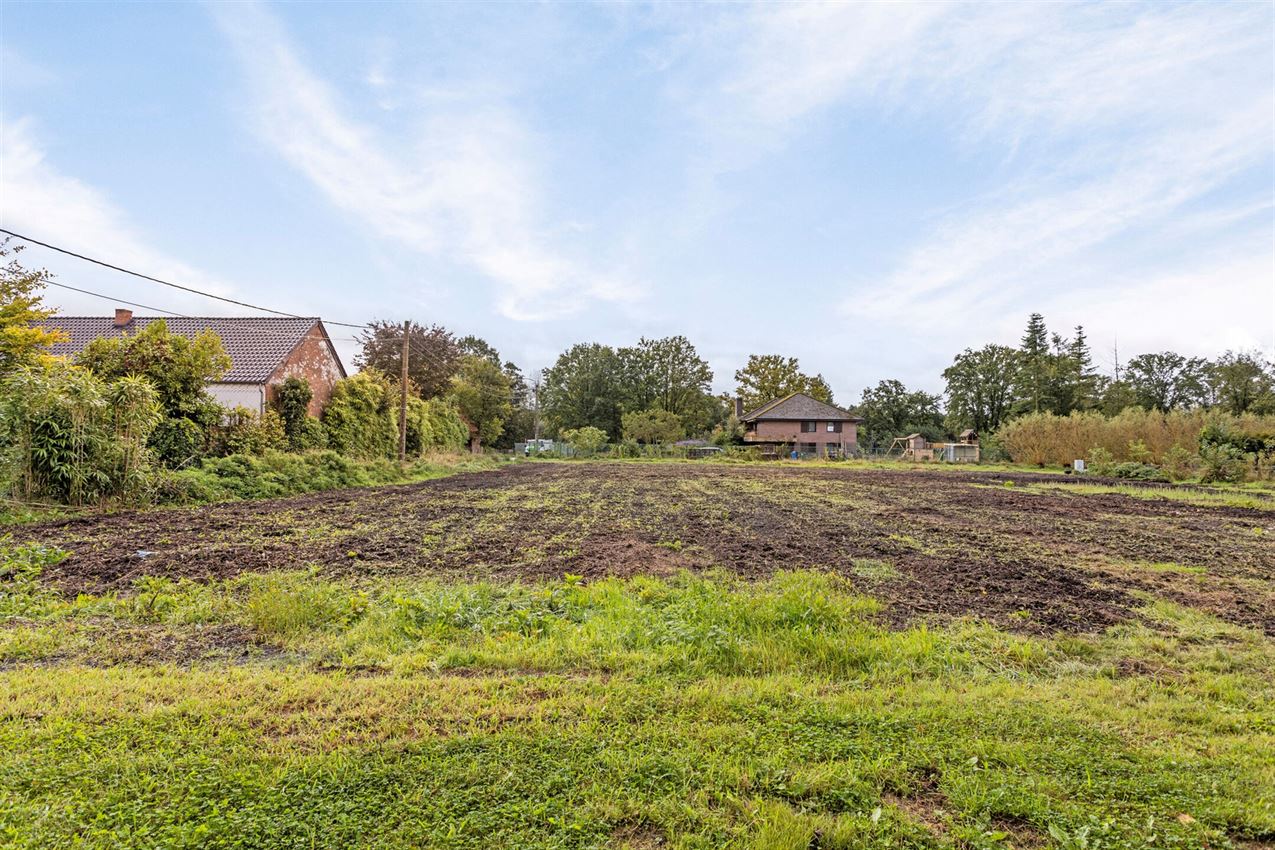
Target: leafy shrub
x=178, y=442
x=1179, y=464
x=310, y=436
x=1139, y=453
x=433, y=424
x=292, y=400
x=67, y=435
x=359, y=419
x=652, y=426
x=1138, y=471
x=587, y=440
x=1100, y=461
x=1221, y=462
x=273, y=474
x=179, y=368
x=244, y=432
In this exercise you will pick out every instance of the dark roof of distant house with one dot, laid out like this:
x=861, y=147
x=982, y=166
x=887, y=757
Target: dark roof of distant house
x=256, y=345
x=799, y=406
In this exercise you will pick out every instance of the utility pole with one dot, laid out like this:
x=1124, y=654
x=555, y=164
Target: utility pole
x=402, y=401
x=535, y=390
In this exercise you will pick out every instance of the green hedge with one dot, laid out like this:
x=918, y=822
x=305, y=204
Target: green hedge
x=272, y=473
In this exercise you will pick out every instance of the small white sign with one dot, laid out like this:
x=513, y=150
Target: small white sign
x=1078, y=465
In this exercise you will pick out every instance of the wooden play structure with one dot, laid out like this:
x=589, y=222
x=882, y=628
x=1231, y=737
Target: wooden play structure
x=916, y=447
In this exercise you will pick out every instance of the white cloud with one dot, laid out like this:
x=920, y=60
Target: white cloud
x=1113, y=121
x=38, y=200
x=464, y=192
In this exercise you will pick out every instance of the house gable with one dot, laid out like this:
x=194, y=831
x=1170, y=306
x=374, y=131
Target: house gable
x=313, y=359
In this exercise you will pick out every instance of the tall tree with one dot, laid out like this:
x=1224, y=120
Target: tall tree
x=583, y=388
x=1243, y=381
x=23, y=338
x=1037, y=362
x=1168, y=380
x=652, y=426
x=433, y=357
x=667, y=374
x=520, y=423
x=482, y=393
x=980, y=387
x=890, y=410
x=1085, y=381
x=770, y=376
x=478, y=347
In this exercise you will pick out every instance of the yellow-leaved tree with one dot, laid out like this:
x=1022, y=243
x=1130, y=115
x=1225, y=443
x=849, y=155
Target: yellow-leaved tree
x=23, y=338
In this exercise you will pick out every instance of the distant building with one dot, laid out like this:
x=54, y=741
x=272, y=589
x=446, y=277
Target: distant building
x=916, y=447
x=808, y=425
x=263, y=351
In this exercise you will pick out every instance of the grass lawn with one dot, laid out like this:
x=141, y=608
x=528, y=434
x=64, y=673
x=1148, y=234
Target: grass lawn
x=844, y=689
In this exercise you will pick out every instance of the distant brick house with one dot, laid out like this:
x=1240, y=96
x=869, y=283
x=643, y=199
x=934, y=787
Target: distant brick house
x=263, y=351
x=803, y=423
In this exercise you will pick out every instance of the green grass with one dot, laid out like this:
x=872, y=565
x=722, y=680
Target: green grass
x=1191, y=496
x=688, y=712
x=271, y=475
x=848, y=464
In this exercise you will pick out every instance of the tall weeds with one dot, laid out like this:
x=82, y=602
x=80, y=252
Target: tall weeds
x=1134, y=435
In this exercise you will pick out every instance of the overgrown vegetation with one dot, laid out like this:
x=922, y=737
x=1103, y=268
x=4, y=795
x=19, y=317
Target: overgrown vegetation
x=689, y=712
x=68, y=436
x=1137, y=443
x=272, y=474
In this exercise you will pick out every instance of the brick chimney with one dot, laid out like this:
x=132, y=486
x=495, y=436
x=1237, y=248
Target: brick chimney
x=122, y=317
x=739, y=408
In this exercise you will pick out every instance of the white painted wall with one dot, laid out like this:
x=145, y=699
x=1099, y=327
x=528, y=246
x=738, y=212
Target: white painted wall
x=251, y=396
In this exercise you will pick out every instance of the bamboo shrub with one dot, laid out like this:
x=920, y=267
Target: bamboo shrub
x=68, y=436
x=1046, y=439
x=135, y=407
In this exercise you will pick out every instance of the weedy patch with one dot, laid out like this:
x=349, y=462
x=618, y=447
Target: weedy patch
x=513, y=660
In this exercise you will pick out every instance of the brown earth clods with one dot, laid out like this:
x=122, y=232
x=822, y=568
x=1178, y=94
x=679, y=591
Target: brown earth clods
x=958, y=543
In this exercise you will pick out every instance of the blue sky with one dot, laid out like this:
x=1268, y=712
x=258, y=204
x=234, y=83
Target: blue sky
x=870, y=188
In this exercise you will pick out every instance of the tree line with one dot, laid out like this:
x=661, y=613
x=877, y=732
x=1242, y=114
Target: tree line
x=654, y=391
x=660, y=390
x=1052, y=373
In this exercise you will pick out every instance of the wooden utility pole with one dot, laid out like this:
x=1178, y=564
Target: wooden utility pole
x=535, y=392
x=402, y=401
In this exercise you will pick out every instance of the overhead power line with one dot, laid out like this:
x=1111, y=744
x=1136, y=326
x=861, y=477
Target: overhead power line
x=175, y=315
x=190, y=289
x=111, y=298
x=414, y=343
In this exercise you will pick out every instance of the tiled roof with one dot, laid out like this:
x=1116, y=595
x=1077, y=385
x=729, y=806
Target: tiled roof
x=256, y=345
x=799, y=406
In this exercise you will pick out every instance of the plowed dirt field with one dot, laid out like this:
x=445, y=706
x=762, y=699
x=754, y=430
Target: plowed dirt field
x=1031, y=553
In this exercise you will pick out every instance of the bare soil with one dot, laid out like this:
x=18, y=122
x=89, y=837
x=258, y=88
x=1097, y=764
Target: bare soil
x=960, y=543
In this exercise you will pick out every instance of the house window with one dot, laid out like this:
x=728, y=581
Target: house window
x=834, y=427
x=809, y=427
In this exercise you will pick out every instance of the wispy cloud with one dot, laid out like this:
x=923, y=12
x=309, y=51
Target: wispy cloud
x=37, y=199
x=464, y=189
x=1111, y=120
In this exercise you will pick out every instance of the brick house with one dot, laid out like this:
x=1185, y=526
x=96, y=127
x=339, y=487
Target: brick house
x=263, y=351
x=808, y=425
